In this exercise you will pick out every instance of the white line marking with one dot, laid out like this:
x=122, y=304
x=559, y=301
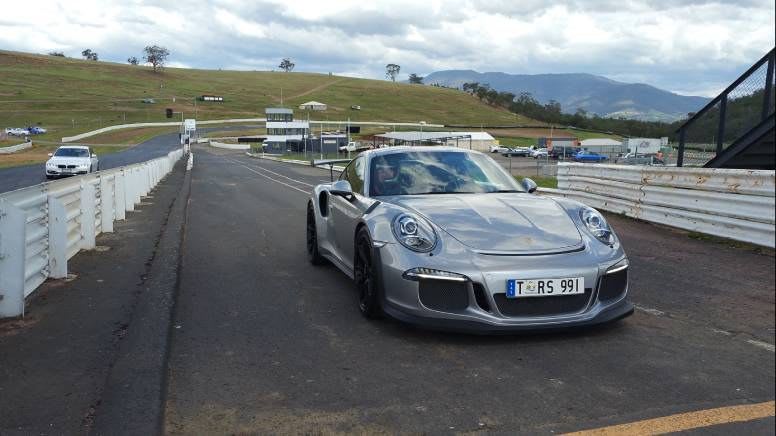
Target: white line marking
x=761, y=344
x=270, y=178
x=277, y=174
x=649, y=310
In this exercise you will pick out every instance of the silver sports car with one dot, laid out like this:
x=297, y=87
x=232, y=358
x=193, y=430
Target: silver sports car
x=446, y=238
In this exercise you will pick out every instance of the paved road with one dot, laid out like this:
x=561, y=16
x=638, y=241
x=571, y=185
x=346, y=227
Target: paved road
x=263, y=342
x=28, y=175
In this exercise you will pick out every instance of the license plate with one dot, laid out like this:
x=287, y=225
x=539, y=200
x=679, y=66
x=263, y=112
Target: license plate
x=517, y=288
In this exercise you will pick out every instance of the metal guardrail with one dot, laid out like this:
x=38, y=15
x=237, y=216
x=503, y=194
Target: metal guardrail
x=730, y=203
x=43, y=226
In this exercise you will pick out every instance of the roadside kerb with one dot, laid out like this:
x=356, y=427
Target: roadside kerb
x=43, y=226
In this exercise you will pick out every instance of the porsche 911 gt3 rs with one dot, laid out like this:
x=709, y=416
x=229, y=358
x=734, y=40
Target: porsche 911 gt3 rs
x=445, y=238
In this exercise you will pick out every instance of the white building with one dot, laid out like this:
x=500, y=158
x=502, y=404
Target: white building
x=472, y=140
x=313, y=106
x=282, y=131
x=605, y=146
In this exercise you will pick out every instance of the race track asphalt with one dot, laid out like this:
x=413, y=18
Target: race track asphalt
x=263, y=342
x=28, y=175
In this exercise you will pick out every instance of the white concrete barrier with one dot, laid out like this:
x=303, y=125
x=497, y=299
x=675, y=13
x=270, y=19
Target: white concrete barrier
x=237, y=120
x=730, y=203
x=14, y=148
x=43, y=226
x=230, y=146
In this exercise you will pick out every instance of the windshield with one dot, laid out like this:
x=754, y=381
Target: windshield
x=437, y=172
x=72, y=152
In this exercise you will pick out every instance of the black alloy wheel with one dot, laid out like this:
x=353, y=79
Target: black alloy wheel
x=365, y=277
x=313, y=255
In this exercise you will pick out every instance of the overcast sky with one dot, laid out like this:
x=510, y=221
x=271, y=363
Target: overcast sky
x=686, y=46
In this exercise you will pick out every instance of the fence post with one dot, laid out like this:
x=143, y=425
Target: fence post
x=768, y=86
x=87, y=216
x=129, y=195
x=107, y=204
x=13, y=248
x=721, y=127
x=119, y=195
x=680, y=152
x=57, y=238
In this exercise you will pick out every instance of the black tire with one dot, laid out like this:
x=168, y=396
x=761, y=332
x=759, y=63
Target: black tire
x=313, y=255
x=365, y=277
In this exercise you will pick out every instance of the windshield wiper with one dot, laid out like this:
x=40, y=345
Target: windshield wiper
x=502, y=191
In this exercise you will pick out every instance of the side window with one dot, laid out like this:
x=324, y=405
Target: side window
x=354, y=174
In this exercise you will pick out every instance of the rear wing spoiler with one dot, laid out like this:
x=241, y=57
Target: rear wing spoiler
x=330, y=163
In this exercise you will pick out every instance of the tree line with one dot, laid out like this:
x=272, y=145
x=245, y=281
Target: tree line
x=152, y=54
x=552, y=112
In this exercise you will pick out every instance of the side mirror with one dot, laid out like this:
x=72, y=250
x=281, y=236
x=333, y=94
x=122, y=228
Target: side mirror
x=341, y=188
x=94, y=155
x=51, y=154
x=529, y=185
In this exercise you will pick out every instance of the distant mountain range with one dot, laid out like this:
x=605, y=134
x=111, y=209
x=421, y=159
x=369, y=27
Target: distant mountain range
x=595, y=94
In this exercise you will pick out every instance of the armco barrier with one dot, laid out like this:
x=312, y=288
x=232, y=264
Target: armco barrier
x=43, y=226
x=730, y=203
x=15, y=148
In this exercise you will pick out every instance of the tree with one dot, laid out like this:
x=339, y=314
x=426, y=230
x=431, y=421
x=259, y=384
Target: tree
x=391, y=71
x=89, y=55
x=156, y=56
x=414, y=78
x=132, y=60
x=286, y=65
x=57, y=53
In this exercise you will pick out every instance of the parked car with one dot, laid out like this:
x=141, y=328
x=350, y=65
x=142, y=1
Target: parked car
x=37, y=130
x=539, y=153
x=16, y=131
x=70, y=160
x=445, y=238
x=517, y=151
x=563, y=152
x=639, y=159
x=149, y=101
x=498, y=148
x=355, y=107
x=589, y=156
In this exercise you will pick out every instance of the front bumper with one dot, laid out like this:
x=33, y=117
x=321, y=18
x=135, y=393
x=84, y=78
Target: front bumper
x=60, y=173
x=481, y=305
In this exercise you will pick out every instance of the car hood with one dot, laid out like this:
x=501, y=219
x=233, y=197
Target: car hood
x=512, y=223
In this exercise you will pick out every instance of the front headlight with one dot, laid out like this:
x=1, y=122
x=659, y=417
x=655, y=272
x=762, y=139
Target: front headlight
x=597, y=225
x=414, y=233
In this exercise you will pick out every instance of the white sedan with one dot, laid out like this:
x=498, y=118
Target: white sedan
x=71, y=160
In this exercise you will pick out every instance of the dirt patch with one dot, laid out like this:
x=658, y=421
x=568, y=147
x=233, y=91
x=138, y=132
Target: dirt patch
x=14, y=326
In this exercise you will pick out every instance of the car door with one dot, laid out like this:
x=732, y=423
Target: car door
x=345, y=213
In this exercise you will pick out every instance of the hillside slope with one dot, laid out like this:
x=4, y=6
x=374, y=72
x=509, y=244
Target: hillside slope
x=595, y=94
x=70, y=95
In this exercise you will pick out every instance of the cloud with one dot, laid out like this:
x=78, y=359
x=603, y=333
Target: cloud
x=689, y=46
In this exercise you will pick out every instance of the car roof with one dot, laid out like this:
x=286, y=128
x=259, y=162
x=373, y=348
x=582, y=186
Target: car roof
x=84, y=147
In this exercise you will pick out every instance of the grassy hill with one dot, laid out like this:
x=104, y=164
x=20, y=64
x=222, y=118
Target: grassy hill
x=70, y=96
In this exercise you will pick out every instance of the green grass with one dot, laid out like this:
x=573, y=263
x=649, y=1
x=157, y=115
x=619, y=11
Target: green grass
x=70, y=96
x=542, y=181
